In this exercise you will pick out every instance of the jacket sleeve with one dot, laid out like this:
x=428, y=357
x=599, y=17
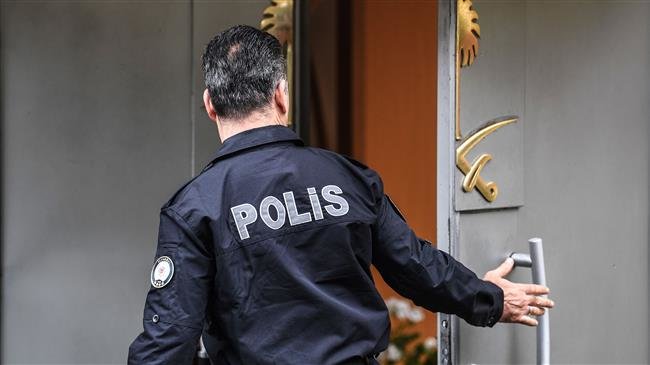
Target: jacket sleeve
x=429, y=277
x=174, y=313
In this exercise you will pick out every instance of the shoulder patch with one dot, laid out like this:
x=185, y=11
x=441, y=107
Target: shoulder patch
x=162, y=272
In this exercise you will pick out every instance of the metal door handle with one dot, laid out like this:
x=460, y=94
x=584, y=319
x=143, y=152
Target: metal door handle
x=535, y=260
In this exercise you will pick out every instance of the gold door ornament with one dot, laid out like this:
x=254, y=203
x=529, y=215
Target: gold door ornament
x=468, y=33
x=277, y=20
x=473, y=179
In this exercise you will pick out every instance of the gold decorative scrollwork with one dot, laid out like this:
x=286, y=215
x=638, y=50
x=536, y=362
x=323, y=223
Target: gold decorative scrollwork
x=277, y=20
x=473, y=179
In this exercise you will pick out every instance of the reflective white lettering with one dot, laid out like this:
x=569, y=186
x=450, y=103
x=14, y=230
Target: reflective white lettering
x=267, y=203
x=246, y=214
x=328, y=192
x=243, y=214
x=295, y=218
x=315, y=204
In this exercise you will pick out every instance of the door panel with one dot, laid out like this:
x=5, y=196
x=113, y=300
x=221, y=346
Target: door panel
x=578, y=79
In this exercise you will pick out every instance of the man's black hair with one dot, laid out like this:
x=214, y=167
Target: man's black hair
x=242, y=67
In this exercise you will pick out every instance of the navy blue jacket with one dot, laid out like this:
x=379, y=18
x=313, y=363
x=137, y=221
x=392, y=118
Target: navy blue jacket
x=271, y=247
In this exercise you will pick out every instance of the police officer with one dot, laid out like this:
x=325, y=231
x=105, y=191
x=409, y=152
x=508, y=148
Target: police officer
x=266, y=254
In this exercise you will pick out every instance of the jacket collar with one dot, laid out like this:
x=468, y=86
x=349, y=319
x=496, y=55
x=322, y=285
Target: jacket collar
x=256, y=137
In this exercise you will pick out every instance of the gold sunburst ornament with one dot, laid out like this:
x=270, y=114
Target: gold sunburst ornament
x=277, y=20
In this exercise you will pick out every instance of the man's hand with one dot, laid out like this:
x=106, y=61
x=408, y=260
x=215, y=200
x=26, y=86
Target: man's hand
x=520, y=301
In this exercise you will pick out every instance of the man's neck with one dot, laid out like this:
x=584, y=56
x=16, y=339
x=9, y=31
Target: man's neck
x=228, y=128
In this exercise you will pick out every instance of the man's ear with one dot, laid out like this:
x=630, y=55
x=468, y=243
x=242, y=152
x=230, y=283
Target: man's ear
x=281, y=97
x=209, y=108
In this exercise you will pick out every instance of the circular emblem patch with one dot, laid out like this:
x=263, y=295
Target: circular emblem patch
x=162, y=272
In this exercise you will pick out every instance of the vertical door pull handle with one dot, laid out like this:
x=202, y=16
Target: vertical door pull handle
x=535, y=260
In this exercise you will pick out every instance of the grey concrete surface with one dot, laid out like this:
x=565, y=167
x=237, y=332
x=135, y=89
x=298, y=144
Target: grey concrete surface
x=96, y=137
x=98, y=123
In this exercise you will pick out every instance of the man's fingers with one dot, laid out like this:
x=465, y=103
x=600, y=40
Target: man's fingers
x=540, y=302
x=505, y=268
x=535, y=289
x=536, y=311
x=528, y=321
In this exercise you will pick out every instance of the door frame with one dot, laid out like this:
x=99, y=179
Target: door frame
x=447, y=217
